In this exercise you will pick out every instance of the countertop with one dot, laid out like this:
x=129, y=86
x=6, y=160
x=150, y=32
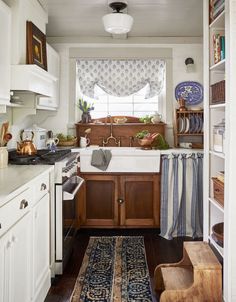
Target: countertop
x=168, y=151
x=14, y=178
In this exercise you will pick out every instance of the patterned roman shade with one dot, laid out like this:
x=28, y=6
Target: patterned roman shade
x=121, y=77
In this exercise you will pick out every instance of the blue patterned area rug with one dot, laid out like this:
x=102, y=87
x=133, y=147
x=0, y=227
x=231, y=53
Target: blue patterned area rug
x=114, y=269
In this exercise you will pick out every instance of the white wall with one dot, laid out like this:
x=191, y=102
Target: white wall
x=66, y=117
x=63, y=120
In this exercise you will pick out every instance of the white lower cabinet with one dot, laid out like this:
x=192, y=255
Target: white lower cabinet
x=41, y=271
x=15, y=262
x=25, y=274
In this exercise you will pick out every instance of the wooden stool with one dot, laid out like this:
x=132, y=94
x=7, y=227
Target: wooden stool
x=196, y=278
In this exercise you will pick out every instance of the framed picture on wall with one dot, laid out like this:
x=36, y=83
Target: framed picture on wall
x=36, y=46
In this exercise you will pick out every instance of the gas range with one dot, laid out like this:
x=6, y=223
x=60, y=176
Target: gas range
x=43, y=157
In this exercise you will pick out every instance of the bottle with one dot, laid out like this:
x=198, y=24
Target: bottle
x=3, y=157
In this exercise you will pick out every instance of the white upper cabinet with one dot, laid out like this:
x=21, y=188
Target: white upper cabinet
x=22, y=11
x=28, y=77
x=5, y=50
x=53, y=62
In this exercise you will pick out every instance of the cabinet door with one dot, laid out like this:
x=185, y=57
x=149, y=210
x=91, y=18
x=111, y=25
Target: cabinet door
x=100, y=200
x=41, y=249
x=20, y=260
x=5, y=245
x=139, y=200
x=5, y=51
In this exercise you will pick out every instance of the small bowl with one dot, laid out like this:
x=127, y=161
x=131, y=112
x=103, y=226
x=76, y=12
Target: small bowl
x=120, y=120
x=218, y=233
x=145, y=143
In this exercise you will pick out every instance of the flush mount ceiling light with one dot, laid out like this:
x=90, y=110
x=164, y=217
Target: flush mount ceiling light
x=117, y=22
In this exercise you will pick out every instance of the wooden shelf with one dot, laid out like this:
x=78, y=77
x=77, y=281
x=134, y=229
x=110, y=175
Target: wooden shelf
x=216, y=204
x=189, y=119
x=190, y=134
x=218, y=154
x=190, y=111
x=219, y=21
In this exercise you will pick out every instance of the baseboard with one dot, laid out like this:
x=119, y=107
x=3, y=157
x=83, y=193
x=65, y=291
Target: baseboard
x=44, y=288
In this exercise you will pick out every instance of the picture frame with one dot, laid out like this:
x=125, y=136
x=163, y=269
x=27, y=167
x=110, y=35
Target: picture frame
x=36, y=46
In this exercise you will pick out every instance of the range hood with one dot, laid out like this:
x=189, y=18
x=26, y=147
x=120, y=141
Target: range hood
x=33, y=79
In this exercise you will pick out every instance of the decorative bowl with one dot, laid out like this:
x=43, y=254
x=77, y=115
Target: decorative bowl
x=120, y=120
x=218, y=233
x=145, y=143
x=67, y=143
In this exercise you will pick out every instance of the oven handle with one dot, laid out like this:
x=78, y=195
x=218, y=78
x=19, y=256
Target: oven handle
x=70, y=195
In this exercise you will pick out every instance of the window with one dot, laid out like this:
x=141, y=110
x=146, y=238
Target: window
x=133, y=105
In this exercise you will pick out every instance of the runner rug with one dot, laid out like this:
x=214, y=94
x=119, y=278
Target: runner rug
x=113, y=269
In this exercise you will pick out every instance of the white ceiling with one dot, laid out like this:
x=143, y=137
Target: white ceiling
x=152, y=18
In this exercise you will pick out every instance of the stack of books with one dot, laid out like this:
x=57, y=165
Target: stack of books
x=218, y=47
x=216, y=8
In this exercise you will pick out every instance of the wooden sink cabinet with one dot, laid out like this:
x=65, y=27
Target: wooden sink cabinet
x=120, y=200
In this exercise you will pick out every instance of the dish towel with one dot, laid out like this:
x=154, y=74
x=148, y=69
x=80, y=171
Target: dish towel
x=101, y=159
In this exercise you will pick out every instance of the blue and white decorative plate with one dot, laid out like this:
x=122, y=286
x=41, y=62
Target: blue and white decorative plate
x=191, y=91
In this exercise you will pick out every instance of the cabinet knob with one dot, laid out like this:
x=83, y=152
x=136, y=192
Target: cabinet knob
x=24, y=204
x=14, y=239
x=43, y=187
x=120, y=200
x=9, y=244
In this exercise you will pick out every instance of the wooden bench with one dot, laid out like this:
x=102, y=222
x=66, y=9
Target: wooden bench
x=196, y=278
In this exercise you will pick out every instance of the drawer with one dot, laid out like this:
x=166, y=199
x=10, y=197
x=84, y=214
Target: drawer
x=16, y=208
x=41, y=186
x=218, y=190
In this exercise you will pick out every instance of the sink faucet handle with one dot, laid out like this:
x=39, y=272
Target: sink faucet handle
x=131, y=140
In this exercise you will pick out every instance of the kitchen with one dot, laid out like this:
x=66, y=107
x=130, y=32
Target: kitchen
x=43, y=95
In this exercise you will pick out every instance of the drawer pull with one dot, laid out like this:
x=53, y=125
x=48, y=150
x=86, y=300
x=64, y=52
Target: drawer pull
x=217, y=190
x=43, y=187
x=24, y=204
x=120, y=200
x=9, y=244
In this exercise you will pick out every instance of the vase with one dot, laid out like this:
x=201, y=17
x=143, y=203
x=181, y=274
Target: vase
x=3, y=157
x=86, y=117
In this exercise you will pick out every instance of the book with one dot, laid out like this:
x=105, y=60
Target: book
x=218, y=10
x=216, y=48
x=217, y=3
x=222, y=47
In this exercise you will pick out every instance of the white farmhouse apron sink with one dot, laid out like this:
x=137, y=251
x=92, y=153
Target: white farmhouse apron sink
x=124, y=159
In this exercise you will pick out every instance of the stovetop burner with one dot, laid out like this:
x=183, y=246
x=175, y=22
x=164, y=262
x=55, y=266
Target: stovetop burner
x=43, y=157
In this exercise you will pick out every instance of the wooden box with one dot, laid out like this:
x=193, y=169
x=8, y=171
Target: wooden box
x=218, y=190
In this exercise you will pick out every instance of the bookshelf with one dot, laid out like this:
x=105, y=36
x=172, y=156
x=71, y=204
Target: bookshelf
x=216, y=70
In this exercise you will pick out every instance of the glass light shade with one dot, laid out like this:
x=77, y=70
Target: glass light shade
x=117, y=23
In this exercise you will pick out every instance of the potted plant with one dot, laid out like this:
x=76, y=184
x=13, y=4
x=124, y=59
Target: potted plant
x=86, y=108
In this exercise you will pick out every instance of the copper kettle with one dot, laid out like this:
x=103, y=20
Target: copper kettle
x=26, y=147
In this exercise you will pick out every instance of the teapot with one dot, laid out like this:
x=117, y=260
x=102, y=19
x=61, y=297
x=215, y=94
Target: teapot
x=26, y=147
x=156, y=118
x=51, y=142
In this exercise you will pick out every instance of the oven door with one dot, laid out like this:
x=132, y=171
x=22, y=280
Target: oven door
x=66, y=198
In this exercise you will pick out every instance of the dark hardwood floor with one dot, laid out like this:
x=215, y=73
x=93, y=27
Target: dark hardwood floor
x=158, y=250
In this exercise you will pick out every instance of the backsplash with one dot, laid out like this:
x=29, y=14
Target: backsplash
x=15, y=129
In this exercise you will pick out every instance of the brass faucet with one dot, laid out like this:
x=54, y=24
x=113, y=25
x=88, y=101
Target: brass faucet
x=111, y=137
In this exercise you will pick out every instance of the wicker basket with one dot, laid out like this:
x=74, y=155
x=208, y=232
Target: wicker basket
x=67, y=143
x=218, y=92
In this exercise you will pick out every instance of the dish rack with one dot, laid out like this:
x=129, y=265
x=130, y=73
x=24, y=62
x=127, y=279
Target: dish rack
x=188, y=128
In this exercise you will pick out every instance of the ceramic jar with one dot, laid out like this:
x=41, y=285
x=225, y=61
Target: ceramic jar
x=156, y=118
x=3, y=157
